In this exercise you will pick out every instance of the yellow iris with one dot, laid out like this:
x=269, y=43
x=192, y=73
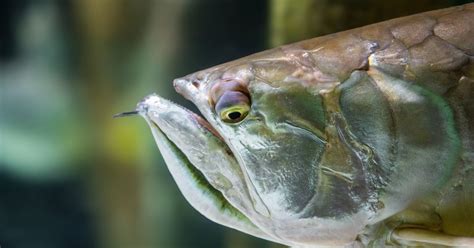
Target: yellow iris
x=234, y=114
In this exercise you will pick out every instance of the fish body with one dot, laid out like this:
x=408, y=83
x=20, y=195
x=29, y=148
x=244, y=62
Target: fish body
x=360, y=137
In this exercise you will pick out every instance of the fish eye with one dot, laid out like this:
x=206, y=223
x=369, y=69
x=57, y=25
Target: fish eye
x=234, y=114
x=233, y=106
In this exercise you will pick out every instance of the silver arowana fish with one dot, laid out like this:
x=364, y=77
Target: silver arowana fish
x=364, y=137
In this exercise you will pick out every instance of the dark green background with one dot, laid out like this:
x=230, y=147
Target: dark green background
x=70, y=175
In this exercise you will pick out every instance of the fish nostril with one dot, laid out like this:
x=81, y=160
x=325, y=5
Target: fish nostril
x=196, y=84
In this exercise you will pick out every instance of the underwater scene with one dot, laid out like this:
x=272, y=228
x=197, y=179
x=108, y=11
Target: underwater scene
x=73, y=176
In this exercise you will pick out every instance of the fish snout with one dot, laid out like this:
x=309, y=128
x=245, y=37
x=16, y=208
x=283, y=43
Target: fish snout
x=179, y=84
x=186, y=87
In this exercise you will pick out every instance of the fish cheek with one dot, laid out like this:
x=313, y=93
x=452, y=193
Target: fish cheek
x=282, y=165
x=281, y=147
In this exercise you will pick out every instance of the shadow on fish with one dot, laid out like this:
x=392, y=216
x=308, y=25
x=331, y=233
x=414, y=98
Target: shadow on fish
x=364, y=137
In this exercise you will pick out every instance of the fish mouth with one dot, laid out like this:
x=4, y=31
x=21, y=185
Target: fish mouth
x=202, y=164
x=155, y=110
x=154, y=100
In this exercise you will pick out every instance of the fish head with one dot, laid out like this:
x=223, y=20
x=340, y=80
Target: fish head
x=270, y=122
x=307, y=154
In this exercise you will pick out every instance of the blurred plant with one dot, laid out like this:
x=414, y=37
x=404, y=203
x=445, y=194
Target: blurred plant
x=40, y=129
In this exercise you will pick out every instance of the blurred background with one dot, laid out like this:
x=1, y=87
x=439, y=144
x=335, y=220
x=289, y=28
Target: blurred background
x=70, y=175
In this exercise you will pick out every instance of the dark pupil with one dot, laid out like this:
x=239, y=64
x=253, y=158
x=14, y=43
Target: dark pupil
x=234, y=115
